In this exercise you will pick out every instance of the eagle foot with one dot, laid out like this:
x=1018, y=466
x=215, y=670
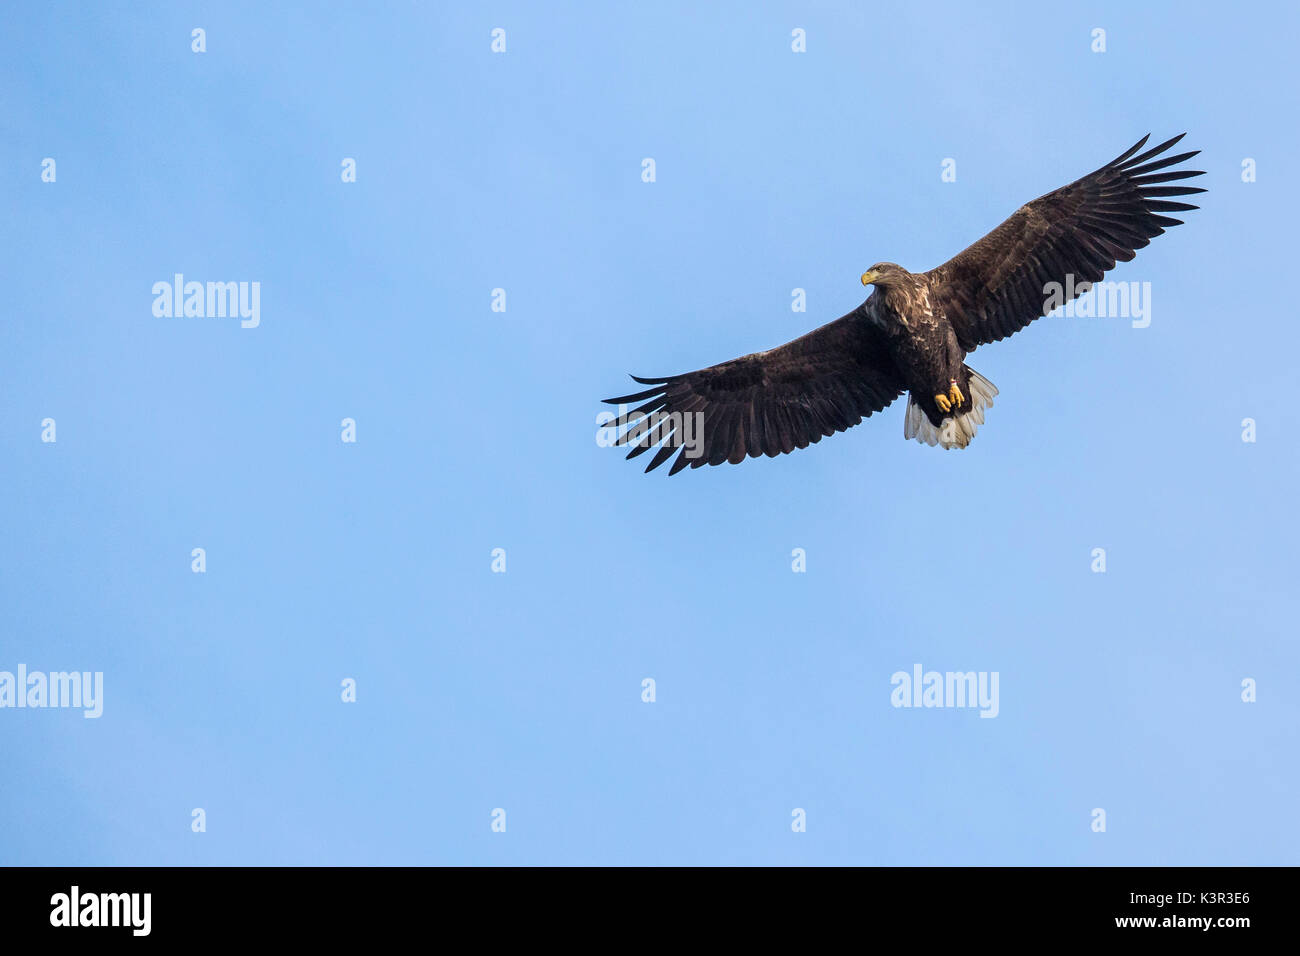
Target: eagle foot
x=955, y=396
x=941, y=400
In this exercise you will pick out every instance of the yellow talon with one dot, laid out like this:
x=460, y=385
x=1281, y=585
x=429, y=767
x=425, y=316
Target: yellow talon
x=943, y=403
x=955, y=396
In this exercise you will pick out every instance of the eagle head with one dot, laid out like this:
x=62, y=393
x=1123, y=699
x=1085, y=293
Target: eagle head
x=884, y=274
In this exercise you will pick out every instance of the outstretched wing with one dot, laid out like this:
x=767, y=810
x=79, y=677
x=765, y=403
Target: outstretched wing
x=767, y=403
x=999, y=285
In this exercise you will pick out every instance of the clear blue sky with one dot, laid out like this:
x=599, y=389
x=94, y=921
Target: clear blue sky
x=476, y=430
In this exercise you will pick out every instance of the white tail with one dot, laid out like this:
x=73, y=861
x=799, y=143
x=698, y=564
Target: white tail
x=956, y=431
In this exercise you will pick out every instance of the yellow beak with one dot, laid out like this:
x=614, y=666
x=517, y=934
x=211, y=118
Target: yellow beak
x=870, y=276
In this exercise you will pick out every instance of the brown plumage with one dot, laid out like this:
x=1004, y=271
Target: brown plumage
x=913, y=333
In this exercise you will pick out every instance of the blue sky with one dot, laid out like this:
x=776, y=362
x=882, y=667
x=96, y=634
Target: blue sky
x=476, y=430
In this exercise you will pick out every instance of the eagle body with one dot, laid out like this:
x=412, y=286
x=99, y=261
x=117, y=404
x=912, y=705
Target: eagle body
x=914, y=332
x=919, y=337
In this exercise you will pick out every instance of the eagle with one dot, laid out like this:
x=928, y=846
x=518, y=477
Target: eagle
x=914, y=331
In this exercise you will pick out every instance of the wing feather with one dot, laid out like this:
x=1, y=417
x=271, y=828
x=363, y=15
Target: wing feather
x=1000, y=284
x=767, y=403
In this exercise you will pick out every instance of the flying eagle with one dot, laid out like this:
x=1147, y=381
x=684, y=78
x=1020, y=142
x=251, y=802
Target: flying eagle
x=914, y=331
